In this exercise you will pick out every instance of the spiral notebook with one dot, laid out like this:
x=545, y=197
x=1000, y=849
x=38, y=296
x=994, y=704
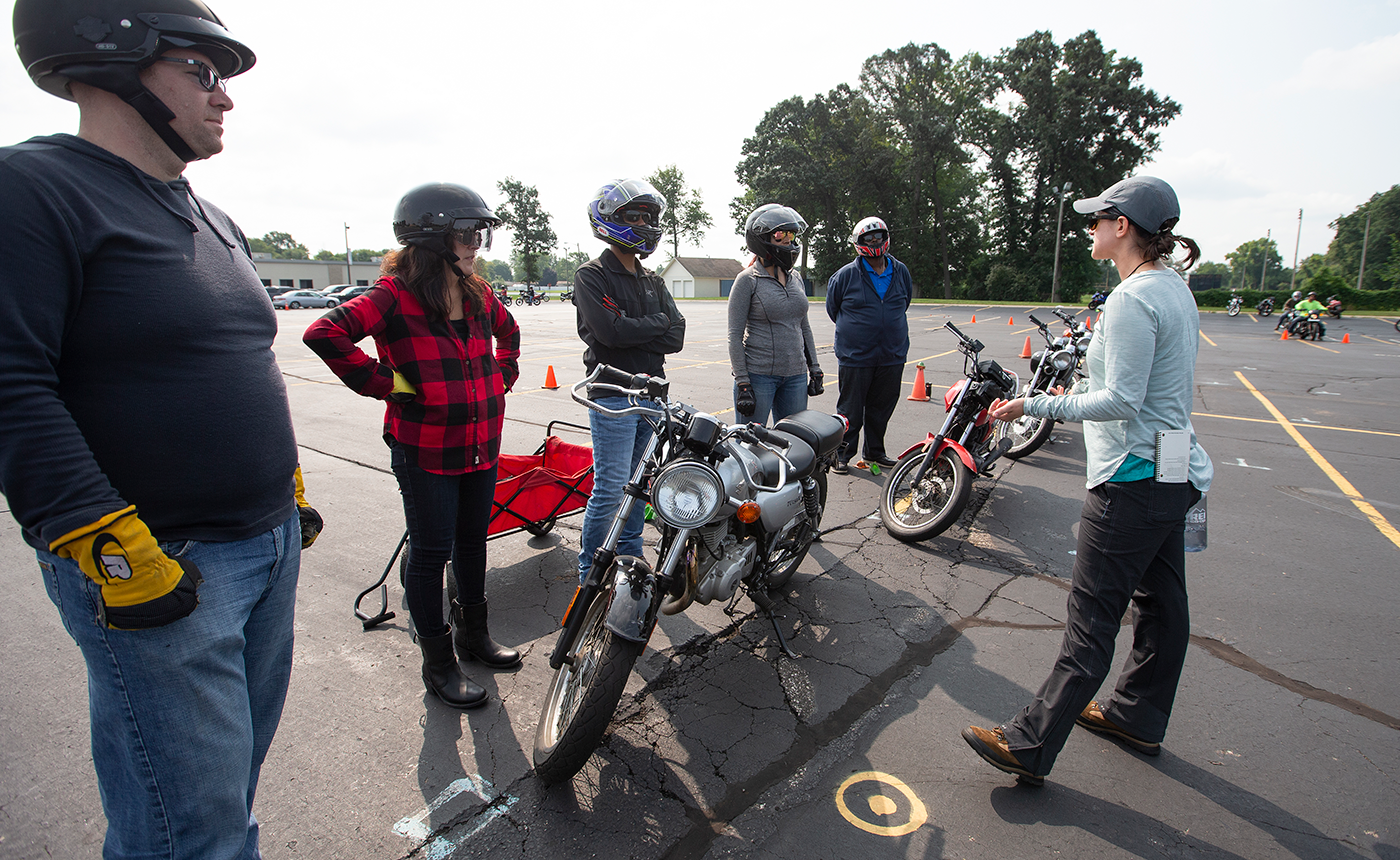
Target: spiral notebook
x=1173, y=460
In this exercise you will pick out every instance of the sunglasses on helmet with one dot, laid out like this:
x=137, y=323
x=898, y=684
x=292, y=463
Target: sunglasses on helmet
x=638, y=217
x=784, y=235
x=208, y=78
x=472, y=234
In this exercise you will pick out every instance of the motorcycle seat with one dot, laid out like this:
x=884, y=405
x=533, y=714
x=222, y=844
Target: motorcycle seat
x=821, y=432
x=799, y=454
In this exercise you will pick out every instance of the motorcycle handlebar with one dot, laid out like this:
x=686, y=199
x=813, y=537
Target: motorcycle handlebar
x=1037, y=322
x=764, y=434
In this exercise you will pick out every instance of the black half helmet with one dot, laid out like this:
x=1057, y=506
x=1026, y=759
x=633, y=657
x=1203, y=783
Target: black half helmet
x=427, y=216
x=106, y=43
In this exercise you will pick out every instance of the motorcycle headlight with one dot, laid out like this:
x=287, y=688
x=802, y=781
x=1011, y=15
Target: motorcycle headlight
x=687, y=494
x=1062, y=360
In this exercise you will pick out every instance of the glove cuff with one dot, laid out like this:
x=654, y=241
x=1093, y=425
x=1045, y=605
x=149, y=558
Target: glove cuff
x=91, y=528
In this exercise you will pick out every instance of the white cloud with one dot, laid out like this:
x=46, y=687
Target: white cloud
x=1367, y=66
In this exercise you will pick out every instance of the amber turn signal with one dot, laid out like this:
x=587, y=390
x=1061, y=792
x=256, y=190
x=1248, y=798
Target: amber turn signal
x=748, y=512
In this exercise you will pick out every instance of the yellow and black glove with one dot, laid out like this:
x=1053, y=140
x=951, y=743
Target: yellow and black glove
x=311, y=522
x=142, y=587
x=403, y=389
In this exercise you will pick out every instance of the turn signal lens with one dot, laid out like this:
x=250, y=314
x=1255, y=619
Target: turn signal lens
x=577, y=592
x=749, y=512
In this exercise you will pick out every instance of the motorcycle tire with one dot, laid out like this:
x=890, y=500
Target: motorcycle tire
x=1027, y=434
x=582, y=697
x=940, y=500
x=545, y=297
x=1266, y=313
x=1234, y=312
x=783, y=561
x=1397, y=325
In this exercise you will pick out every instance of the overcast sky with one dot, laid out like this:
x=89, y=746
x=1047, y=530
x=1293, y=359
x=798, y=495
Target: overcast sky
x=1285, y=105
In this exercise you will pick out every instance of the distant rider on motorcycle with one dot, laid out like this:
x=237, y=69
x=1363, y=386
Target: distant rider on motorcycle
x=1287, y=317
x=1305, y=307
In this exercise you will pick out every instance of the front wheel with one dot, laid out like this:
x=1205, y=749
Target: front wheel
x=1264, y=312
x=330, y=303
x=1027, y=434
x=582, y=697
x=292, y=306
x=1234, y=312
x=914, y=513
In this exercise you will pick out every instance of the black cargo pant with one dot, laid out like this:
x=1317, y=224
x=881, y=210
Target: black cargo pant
x=1130, y=549
x=867, y=397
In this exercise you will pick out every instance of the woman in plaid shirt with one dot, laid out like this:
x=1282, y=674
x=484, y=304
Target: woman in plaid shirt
x=445, y=386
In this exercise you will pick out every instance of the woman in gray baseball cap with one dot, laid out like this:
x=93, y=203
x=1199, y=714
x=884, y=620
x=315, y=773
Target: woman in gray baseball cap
x=1131, y=550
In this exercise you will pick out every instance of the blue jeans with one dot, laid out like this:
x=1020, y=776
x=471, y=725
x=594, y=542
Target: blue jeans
x=781, y=395
x=182, y=715
x=447, y=516
x=618, y=443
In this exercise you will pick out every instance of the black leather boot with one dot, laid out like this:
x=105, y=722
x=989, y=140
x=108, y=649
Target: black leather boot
x=443, y=677
x=474, y=640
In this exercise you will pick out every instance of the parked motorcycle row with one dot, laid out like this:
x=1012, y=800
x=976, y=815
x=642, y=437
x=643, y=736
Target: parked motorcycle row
x=738, y=507
x=528, y=296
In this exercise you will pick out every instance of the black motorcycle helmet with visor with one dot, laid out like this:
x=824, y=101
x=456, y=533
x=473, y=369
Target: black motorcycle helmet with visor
x=106, y=43
x=431, y=216
x=760, y=227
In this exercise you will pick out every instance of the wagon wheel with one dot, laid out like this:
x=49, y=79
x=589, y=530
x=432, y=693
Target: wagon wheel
x=540, y=529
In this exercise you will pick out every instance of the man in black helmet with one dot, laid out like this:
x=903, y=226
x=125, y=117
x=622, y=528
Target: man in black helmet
x=147, y=448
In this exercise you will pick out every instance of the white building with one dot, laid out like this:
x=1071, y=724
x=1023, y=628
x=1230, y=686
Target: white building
x=700, y=277
x=312, y=274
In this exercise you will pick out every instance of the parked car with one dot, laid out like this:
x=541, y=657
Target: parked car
x=354, y=291
x=273, y=292
x=303, y=299
x=336, y=291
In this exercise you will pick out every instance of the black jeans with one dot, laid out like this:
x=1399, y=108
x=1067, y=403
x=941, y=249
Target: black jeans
x=1130, y=549
x=867, y=397
x=447, y=516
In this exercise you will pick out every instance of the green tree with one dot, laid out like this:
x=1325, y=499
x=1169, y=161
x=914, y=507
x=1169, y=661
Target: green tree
x=280, y=245
x=1344, y=253
x=1327, y=281
x=495, y=271
x=529, y=224
x=1075, y=113
x=685, y=216
x=567, y=265
x=1210, y=268
x=1255, y=258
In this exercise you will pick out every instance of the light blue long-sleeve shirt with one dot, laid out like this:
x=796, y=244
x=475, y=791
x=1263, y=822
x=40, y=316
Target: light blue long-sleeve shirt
x=1142, y=374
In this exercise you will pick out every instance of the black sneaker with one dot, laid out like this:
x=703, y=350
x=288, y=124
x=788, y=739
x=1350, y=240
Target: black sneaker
x=840, y=467
x=883, y=461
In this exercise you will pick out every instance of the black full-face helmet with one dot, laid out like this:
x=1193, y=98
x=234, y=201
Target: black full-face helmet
x=106, y=43
x=430, y=215
x=762, y=223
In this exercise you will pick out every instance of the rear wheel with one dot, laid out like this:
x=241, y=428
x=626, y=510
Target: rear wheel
x=582, y=697
x=1234, y=311
x=784, y=558
x=293, y=305
x=330, y=303
x=913, y=513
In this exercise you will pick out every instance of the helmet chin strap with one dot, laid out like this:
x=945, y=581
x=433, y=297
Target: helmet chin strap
x=127, y=86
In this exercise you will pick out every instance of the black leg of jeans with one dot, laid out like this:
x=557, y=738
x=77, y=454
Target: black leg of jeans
x=1130, y=549
x=446, y=514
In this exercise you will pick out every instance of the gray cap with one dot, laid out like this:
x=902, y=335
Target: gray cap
x=1148, y=202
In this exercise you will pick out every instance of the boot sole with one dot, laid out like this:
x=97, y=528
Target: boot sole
x=1021, y=774
x=467, y=707
x=1141, y=746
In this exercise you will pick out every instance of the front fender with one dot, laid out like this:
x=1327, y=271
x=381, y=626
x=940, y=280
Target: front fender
x=635, y=599
x=947, y=443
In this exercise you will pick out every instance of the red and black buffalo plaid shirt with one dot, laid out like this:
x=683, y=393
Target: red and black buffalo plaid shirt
x=453, y=425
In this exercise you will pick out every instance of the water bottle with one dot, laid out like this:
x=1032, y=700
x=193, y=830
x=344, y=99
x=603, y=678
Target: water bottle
x=1196, y=526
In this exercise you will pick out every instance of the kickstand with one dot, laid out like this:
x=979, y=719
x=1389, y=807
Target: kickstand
x=766, y=603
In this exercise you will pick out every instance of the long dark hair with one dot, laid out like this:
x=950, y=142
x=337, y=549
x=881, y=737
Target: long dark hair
x=1161, y=245
x=424, y=274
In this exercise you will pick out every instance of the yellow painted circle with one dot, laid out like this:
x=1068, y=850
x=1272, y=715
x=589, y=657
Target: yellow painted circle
x=881, y=805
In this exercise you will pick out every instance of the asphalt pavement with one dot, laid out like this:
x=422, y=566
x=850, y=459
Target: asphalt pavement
x=1285, y=740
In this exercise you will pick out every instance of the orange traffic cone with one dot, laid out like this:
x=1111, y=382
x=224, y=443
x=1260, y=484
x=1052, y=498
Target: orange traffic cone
x=1026, y=353
x=1285, y=335
x=1346, y=338
x=1088, y=323
x=1010, y=321
x=549, y=382
x=920, y=391
x=974, y=317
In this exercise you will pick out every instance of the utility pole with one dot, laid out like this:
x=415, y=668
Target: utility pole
x=1268, y=234
x=1060, y=192
x=349, y=258
x=1299, y=238
x=1366, y=240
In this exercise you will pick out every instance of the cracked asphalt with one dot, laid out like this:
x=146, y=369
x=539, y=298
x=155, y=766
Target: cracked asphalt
x=1285, y=741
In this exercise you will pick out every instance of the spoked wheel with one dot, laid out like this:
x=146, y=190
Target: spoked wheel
x=1233, y=311
x=1027, y=434
x=913, y=513
x=582, y=697
x=785, y=556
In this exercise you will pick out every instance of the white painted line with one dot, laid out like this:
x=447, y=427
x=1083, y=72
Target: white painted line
x=1239, y=461
x=416, y=827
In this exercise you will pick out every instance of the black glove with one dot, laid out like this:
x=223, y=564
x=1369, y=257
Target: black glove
x=814, y=382
x=744, y=402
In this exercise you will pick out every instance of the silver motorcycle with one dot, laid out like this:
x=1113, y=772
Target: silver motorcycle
x=1060, y=364
x=738, y=507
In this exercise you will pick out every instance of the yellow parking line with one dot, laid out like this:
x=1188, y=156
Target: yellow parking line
x=1315, y=346
x=1378, y=340
x=929, y=358
x=1310, y=426
x=1381, y=523
x=1209, y=341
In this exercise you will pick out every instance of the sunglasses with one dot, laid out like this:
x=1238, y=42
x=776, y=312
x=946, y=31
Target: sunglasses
x=208, y=78
x=638, y=217
x=1109, y=214
x=477, y=235
x=784, y=235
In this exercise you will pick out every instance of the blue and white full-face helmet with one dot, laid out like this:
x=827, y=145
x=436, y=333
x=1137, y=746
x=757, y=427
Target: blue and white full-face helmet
x=627, y=213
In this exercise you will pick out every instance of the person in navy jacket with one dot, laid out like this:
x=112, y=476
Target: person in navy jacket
x=868, y=299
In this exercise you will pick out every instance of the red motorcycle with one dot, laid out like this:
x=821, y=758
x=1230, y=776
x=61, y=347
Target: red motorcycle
x=929, y=486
